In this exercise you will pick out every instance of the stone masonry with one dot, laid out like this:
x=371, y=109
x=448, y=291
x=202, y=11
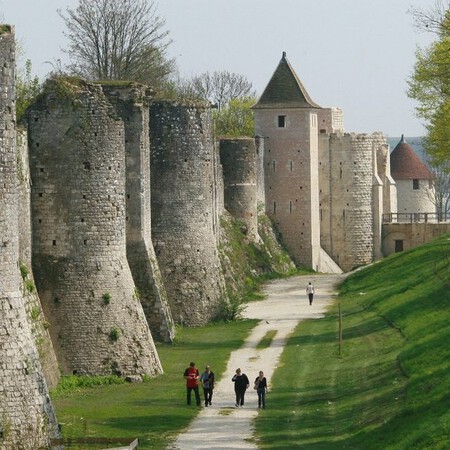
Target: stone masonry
x=78, y=170
x=131, y=102
x=184, y=208
x=26, y=413
x=35, y=315
x=238, y=158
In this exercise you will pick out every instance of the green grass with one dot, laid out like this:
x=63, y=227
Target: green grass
x=266, y=340
x=153, y=411
x=390, y=388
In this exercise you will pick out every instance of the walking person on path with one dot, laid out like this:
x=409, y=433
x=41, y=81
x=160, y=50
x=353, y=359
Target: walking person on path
x=261, y=389
x=310, y=292
x=191, y=376
x=241, y=384
x=207, y=380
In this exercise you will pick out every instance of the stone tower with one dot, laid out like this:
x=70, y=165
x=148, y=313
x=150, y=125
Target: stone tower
x=351, y=197
x=238, y=159
x=185, y=209
x=286, y=118
x=131, y=102
x=415, y=190
x=27, y=416
x=78, y=169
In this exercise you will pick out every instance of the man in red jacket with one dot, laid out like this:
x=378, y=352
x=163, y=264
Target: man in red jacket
x=191, y=375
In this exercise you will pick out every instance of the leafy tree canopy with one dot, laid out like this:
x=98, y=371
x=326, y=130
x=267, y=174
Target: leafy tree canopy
x=236, y=119
x=430, y=83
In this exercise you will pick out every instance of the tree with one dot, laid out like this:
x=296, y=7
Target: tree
x=118, y=40
x=218, y=87
x=236, y=119
x=430, y=83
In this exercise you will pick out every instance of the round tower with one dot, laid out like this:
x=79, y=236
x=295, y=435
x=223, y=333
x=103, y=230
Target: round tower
x=415, y=190
x=27, y=417
x=184, y=209
x=77, y=160
x=238, y=159
x=351, y=199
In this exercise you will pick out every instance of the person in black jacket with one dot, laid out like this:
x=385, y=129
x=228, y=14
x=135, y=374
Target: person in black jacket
x=261, y=389
x=241, y=384
x=207, y=380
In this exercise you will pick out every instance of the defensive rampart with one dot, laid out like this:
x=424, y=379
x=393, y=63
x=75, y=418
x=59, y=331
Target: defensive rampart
x=27, y=416
x=184, y=209
x=238, y=158
x=131, y=102
x=78, y=169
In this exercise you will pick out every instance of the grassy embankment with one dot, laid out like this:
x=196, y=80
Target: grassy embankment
x=390, y=387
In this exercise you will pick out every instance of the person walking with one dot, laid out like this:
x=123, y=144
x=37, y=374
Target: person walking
x=241, y=384
x=310, y=291
x=261, y=389
x=191, y=376
x=207, y=380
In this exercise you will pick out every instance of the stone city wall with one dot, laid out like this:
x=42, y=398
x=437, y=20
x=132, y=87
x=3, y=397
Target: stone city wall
x=184, y=209
x=38, y=322
x=411, y=234
x=27, y=416
x=350, y=207
x=238, y=158
x=78, y=169
x=131, y=102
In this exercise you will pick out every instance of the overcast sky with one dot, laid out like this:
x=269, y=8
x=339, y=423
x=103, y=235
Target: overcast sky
x=352, y=54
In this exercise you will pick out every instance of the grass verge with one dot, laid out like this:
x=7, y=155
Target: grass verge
x=390, y=387
x=153, y=411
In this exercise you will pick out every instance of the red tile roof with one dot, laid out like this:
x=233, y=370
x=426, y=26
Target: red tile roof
x=406, y=165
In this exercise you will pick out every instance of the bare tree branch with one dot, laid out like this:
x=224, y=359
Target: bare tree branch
x=118, y=40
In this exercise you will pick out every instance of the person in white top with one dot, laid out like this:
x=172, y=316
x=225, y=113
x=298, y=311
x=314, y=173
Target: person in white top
x=310, y=292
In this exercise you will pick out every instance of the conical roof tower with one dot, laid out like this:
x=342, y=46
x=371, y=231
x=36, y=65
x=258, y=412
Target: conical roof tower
x=406, y=165
x=285, y=90
x=287, y=119
x=415, y=187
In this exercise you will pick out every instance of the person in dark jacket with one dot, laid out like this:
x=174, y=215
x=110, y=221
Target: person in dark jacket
x=261, y=389
x=241, y=384
x=207, y=380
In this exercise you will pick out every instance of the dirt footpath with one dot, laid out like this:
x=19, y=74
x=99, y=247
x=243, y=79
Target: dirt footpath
x=222, y=426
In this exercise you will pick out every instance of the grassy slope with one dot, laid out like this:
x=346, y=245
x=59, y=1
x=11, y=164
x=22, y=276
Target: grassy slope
x=390, y=388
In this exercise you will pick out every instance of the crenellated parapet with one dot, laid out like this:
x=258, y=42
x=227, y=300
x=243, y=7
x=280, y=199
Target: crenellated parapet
x=185, y=209
x=78, y=170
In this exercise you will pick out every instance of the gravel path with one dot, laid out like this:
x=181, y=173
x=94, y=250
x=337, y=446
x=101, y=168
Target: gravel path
x=222, y=426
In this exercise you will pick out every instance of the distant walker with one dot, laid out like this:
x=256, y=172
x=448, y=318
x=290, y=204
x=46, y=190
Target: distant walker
x=310, y=292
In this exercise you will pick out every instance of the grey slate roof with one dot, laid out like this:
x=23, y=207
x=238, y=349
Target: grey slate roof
x=285, y=90
x=406, y=165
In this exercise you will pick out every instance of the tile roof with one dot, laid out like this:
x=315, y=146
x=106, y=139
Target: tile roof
x=406, y=165
x=285, y=90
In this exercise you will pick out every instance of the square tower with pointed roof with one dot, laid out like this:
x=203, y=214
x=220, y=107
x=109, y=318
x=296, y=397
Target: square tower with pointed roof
x=287, y=119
